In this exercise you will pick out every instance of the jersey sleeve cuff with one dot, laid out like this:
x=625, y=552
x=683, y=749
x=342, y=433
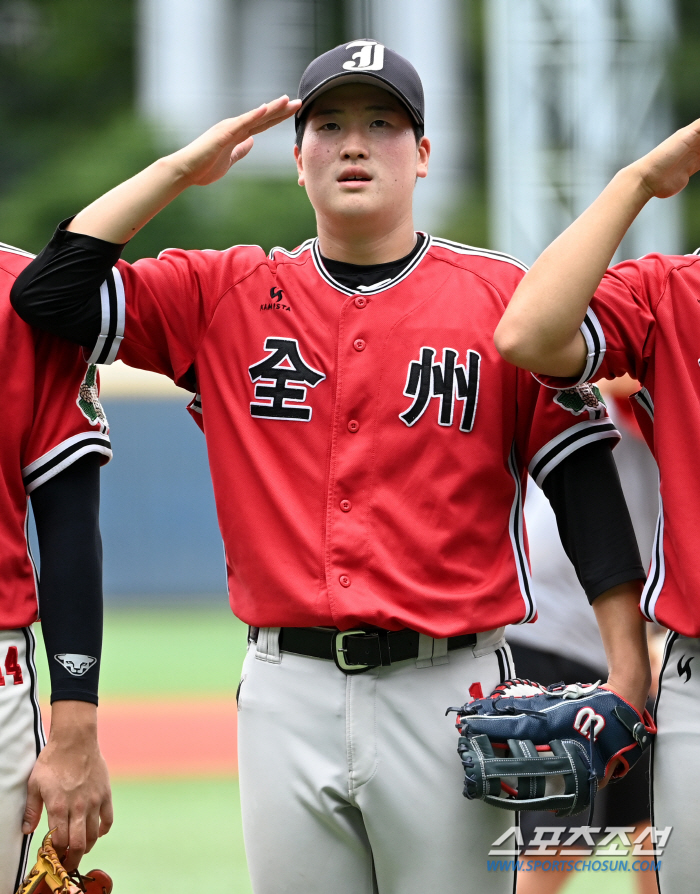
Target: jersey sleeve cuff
x=113, y=304
x=568, y=442
x=594, y=337
x=63, y=455
x=621, y=577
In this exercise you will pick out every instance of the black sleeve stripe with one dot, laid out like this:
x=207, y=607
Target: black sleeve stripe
x=515, y=530
x=62, y=456
x=549, y=456
x=113, y=303
x=595, y=343
x=657, y=569
x=644, y=400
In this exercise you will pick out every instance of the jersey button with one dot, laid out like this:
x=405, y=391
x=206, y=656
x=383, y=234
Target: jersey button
x=359, y=344
x=353, y=426
x=345, y=505
x=344, y=580
x=360, y=301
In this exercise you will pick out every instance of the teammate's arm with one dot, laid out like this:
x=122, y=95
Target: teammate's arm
x=119, y=214
x=70, y=776
x=539, y=330
x=598, y=536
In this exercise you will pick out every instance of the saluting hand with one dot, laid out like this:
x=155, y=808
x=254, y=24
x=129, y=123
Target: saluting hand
x=210, y=156
x=666, y=170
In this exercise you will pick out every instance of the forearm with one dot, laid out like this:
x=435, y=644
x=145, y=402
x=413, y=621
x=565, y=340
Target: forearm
x=593, y=520
x=120, y=213
x=66, y=509
x=540, y=327
x=623, y=631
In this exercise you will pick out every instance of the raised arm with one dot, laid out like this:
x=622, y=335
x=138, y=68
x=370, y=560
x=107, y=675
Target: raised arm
x=59, y=291
x=119, y=214
x=540, y=329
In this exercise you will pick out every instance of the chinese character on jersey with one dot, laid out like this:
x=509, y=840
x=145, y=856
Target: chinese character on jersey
x=284, y=364
x=447, y=380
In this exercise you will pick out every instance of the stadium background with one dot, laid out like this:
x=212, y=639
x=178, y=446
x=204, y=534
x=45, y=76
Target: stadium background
x=74, y=120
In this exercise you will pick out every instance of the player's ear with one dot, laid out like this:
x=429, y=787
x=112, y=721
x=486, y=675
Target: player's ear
x=300, y=166
x=423, y=157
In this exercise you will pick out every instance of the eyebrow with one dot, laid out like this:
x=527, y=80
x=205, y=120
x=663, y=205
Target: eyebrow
x=366, y=109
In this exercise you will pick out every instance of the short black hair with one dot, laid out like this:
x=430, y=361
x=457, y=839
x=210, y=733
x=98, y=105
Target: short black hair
x=418, y=130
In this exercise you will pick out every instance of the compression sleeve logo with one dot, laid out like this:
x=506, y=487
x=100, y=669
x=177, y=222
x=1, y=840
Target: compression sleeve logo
x=76, y=665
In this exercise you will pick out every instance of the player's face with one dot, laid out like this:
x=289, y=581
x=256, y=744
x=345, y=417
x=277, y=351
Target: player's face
x=359, y=159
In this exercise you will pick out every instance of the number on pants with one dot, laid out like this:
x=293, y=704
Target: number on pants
x=12, y=667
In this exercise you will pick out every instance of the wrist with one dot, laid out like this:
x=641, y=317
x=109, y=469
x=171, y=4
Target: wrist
x=633, y=181
x=72, y=720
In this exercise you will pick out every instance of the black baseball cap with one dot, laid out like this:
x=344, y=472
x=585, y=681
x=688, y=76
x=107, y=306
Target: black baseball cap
x=364, y=62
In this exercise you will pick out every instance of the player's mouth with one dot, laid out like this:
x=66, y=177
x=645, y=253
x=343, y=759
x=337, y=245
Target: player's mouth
x=354, y=178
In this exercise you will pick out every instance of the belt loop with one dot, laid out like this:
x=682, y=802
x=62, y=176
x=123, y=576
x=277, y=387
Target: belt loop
x=425, y=650
x=488, y=641
x=440, y=655
x=268, y=648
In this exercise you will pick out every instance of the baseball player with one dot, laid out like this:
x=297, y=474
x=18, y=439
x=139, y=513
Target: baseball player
x=641, y=317
x=368, y=449
x=53, y=442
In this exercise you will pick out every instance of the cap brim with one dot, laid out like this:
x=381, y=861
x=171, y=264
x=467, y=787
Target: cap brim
x=356, y=78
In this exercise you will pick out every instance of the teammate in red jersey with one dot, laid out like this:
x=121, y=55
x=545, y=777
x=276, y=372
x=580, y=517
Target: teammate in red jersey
x=369, y=450
x=641, y=317
x=54, y=438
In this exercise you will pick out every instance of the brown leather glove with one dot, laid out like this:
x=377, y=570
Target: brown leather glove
x=49, y=877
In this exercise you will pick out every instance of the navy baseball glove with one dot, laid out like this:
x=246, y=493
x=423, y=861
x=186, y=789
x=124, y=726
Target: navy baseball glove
x=527, y=747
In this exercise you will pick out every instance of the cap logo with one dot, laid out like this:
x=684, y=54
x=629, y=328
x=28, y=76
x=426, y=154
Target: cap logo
x=370, y=56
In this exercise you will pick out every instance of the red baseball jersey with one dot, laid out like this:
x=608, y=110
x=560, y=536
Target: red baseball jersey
x=51, y=417
x=368, y=448
x=645, y=320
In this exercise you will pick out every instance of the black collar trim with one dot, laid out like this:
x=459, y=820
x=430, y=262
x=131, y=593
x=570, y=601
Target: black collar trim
x=379, y=287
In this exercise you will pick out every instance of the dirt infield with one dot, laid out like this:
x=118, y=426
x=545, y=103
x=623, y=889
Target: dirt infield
x=168, y=737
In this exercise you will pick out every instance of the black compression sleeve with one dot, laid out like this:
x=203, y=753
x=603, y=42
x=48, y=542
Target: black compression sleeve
x=66, y=511
x=59, y=291
x=593, y=519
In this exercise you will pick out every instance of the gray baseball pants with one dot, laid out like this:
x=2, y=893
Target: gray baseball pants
x=353, y=785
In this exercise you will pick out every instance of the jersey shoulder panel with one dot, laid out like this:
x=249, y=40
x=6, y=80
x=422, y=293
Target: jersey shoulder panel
x=234, y=263
x=503, y=272
x=472, y=254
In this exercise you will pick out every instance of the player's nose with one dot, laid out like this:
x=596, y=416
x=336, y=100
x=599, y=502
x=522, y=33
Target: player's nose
x=354, y=147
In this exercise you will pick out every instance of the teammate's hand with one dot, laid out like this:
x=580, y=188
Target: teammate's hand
x=666, y=170
x=210, y=156
x=71, y=778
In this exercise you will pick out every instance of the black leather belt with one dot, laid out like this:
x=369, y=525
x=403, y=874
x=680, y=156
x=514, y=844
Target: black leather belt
x=355, y=651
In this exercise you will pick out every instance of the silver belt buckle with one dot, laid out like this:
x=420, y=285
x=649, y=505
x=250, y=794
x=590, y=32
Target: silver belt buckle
x=339, y=651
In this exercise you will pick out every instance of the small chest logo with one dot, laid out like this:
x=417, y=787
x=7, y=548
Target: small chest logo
x=448, y=381
x=588, y=723
x=89, y=400
x=580, y=399
x=277, y=303
x=370, y=56
x=284, y=365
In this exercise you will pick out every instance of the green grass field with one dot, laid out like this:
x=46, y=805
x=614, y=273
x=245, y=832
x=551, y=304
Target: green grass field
x=169, y=835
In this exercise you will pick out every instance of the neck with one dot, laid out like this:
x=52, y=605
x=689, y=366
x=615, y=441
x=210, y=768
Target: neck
x=340, y=241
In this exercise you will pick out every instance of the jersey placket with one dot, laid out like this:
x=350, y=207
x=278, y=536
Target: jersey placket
x=351, y=464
